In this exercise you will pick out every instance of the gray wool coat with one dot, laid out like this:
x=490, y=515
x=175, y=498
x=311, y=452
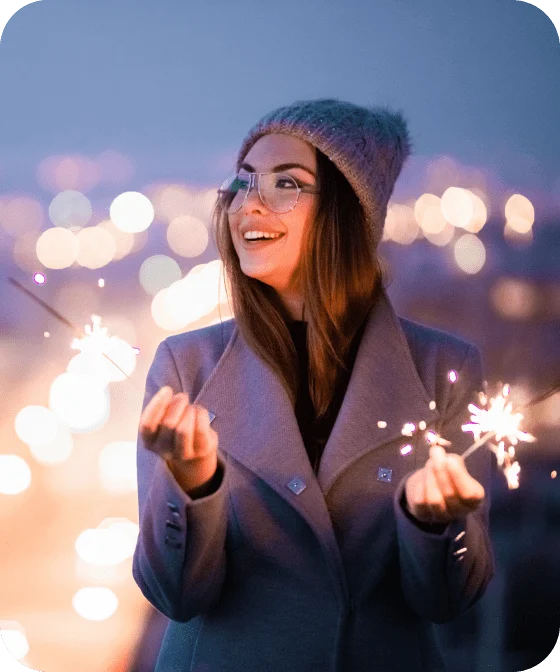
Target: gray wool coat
x=281, y=571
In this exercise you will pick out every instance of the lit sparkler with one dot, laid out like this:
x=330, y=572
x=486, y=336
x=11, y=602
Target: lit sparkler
x=93, y=341
x=498, y=421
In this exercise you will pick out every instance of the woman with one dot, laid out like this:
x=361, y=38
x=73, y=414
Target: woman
x=273, y=537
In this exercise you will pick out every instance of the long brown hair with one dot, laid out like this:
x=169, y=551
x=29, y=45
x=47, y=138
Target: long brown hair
x=340, y=276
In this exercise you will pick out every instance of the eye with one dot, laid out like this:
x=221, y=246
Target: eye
x=287, y=182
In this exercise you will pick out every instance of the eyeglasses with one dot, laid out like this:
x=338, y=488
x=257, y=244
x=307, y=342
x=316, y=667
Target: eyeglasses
x=279, y=192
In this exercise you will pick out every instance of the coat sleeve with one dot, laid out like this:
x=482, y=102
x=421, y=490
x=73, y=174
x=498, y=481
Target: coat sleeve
x=179, y=562
x=440, y=580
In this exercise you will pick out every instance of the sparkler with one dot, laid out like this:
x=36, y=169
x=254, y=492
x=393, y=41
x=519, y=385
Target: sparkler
x=91, y=340
x=496, y=420
x=499, y=421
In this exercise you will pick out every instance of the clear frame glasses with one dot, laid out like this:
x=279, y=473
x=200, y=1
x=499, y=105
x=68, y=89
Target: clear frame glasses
x=279, y=192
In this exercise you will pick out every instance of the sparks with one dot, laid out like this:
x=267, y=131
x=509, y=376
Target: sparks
x=498, y=419
x=436, y=440
x=408, y=429
x=95, y=341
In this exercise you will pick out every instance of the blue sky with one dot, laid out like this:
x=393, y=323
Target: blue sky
x=175, y=85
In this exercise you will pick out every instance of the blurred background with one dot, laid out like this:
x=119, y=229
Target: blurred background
x=120, y=120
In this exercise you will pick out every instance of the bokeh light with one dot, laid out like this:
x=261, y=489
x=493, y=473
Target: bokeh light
x=132, y=212
x=25, y=251
x=401, y=225
x=21, y=214
x=97, y=247
x=57, y=248
x=95, y=603
x=457, y=207
x=56, y=451
x=15, y=474
x=187, y=236
x=36, y=425
x=80, y=401
x=109, y=544
x=70, y=210
x=514, y=298
x=124, y=242
x=520, y=213
x=15, y=640
x=470, y=253
x=158, y=272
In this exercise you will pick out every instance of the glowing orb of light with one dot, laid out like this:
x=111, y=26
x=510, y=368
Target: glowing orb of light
x=15, y=475
x=95, y=603
x=117, y=466
x=70, y=210
x=57, y=248
x=457, y=207
x=520, y=213
x=132, y=212
x=36, y=425
x=158, y=272
x=39, y=279
x=109, y=544
x=80, y=401
x=15, y=642
x=97, y=247
x=57, y=451
x=470, y=253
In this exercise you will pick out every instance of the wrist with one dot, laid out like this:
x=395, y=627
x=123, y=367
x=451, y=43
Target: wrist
x=191, y=476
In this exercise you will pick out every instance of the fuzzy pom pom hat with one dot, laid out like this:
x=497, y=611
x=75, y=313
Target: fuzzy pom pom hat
x=369, y=145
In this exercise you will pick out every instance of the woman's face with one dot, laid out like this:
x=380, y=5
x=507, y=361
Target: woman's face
x=275, y=263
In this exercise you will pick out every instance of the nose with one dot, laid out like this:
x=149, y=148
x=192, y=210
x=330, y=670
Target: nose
x=252, y=198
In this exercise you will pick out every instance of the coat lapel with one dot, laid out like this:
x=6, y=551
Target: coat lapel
x=257, y=426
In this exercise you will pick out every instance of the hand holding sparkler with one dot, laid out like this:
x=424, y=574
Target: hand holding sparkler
x=180, y=433
x=443, y=490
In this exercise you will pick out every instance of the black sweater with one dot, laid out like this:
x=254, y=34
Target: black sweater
x=315, y=433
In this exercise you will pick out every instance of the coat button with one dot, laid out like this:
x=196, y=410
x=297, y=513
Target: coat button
x=384, y=474
x=296, y=485
x=173, y=526
x=172, y=542
x=172, y=506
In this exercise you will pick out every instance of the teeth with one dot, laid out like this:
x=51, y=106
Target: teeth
x=252, y=235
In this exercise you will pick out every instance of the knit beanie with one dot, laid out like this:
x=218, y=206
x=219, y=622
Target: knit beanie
x=369, y=145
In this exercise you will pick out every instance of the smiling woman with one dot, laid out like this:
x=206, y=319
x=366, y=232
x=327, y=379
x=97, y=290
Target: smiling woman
x=286, y=528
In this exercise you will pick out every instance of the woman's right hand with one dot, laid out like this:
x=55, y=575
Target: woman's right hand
x=180, y=433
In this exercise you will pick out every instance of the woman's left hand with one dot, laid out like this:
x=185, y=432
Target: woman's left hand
x=443, y=489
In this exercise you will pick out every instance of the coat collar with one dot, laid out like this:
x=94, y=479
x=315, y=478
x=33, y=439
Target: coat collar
x=257, y=426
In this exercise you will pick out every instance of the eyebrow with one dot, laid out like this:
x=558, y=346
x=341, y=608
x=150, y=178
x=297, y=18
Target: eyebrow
x=279, y=167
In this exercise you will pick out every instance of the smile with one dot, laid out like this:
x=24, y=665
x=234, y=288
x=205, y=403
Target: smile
x=257, y=244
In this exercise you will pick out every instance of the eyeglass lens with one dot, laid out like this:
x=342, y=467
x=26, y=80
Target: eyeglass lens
x=279, y=191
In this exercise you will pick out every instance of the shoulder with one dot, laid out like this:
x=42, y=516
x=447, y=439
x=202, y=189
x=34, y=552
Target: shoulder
x=433, y=347
x=207, y=341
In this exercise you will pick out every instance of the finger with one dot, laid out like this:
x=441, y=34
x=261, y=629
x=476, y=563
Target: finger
x=469, y=490
x=445, y=483
x=184, y=435
x=434, y=497
x=205, y=438
x=419, y=508
x=171, y=419
x=154, y=412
